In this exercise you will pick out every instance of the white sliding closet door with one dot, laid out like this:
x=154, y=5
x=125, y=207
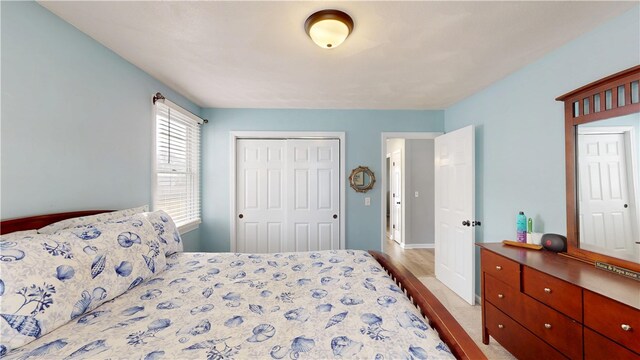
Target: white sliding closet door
x=260, y=189
x=313, y=201
x=288, y=195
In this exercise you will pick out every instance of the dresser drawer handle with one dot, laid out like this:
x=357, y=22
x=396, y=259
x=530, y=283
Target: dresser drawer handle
x=500, y=296
x=500, y=326
x=547, y=290
x=626, y=327
x=498, y=267
x=547, y=326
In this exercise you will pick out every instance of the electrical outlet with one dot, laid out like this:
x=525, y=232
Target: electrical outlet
x=417, y=194
x=367, y=201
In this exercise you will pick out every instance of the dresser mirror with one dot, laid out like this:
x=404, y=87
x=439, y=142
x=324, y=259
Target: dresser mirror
x=602, y=138
x=608, y=184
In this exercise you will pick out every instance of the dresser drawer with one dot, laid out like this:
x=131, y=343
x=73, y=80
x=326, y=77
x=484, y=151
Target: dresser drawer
x=503, y=296
x=598, y=347
x=515, y=338
x=501, y=268
x=611, y=318
x=557, y=329
x=558, y=294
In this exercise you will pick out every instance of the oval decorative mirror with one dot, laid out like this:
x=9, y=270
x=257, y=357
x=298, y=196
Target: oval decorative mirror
x=362, y=179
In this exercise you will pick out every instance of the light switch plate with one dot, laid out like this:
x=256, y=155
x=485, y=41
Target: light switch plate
x=367, y=201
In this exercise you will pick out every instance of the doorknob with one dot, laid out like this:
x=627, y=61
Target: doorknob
x=335, y=216
x=466, y=223
x=398, y=203
x=240, y=216
x=626, y=206
x=476, y=223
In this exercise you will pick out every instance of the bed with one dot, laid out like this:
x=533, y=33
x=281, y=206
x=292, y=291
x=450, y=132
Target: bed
x=324, y=304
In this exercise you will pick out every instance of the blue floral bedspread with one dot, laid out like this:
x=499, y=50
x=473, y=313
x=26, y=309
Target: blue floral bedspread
x=329, y=304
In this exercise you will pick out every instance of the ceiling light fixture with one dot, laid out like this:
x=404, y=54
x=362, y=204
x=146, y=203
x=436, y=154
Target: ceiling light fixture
x=328, y=28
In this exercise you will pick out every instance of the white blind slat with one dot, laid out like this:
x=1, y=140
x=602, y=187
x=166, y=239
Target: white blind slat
x=177, y=188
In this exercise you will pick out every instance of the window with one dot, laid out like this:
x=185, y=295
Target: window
x=177, y=165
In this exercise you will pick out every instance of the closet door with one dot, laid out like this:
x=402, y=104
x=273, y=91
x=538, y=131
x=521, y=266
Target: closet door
x=260, y=202
x=313, y=195
x=287, y=195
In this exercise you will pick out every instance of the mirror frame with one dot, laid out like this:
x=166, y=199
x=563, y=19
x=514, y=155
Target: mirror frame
x=366, y=170
x=573, y=118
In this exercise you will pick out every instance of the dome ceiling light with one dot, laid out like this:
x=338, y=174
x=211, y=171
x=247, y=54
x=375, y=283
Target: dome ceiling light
x=328, y=28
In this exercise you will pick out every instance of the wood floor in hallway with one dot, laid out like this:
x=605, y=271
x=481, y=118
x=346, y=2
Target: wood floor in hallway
x=418, y=261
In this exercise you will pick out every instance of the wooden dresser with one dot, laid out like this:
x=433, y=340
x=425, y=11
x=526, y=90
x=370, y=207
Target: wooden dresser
x=540, y=305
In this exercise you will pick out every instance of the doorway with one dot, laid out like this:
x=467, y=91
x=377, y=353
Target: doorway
x=444, y=248
x=408, y=221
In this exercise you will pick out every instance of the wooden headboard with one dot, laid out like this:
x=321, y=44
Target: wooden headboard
x=38, y=221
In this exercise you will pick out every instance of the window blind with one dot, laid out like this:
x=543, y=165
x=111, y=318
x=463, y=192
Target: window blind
x=177, y=165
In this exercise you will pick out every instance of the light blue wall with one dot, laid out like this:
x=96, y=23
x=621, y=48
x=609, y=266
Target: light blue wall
x=520, y=128
x=76, y=119
x=77, y=130
x=363, y=136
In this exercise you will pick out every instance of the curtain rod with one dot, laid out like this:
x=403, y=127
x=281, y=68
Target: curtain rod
x=161, y=98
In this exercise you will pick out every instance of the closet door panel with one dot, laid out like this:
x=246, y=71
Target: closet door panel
x=260, y=189
x=315, y=203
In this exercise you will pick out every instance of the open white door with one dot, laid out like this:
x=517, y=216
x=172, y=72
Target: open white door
x=455, y=210
x=396, y=196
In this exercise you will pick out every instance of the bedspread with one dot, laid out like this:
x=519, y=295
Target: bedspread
x=327, y=304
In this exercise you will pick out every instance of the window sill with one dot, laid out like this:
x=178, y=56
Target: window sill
x=185, y=228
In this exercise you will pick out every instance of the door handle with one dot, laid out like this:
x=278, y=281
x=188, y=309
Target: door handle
x=240, y=216
x=626, y=206
x=398, y=203
x=476, y=223
x=335, y=216
x=466, y=223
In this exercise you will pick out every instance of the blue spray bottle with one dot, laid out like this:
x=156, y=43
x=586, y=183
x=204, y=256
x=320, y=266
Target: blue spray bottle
x=521, y=227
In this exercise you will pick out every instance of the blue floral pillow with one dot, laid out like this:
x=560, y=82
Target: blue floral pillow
x=92, y=219
x=167, y=231
x=49, y=280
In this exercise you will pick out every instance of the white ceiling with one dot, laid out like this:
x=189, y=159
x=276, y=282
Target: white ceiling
x=401, y=55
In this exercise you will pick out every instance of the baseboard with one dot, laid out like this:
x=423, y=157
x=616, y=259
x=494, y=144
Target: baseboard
x=417, y=246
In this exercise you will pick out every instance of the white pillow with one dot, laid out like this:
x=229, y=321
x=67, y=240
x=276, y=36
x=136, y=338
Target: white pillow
x=8, y=254
x=167, y=231
x=53, y=279
x=17, y=235
x=92, y=219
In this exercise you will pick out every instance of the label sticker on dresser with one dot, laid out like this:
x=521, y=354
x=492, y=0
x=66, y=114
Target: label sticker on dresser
x=619, y=270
